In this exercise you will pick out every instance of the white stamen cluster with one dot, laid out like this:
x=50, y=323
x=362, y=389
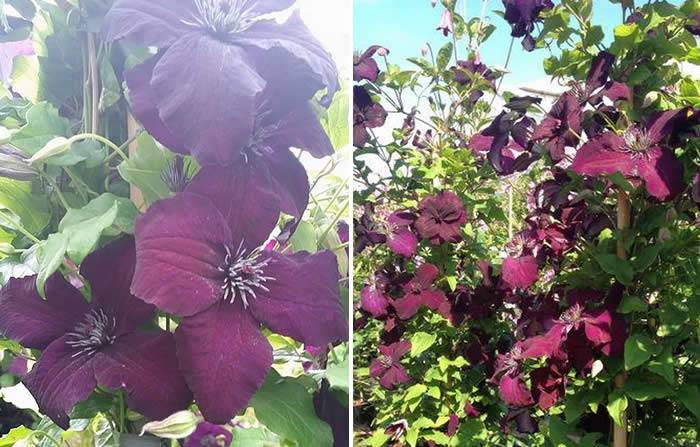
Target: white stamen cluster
x=637, y=140
x=96, y=331
x=244, y=273
x=223, y=16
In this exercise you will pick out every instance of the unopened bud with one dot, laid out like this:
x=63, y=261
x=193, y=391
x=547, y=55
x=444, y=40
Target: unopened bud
x=381, y=51
x=55, y=146
x=176, y=426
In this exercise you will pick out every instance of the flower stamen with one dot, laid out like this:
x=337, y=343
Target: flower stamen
x=95, y=332
x=244, y=274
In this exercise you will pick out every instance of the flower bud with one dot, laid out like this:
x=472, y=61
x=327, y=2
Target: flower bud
x=55, y=146
x=381, y=51
x=14, y=165
x=176, y=426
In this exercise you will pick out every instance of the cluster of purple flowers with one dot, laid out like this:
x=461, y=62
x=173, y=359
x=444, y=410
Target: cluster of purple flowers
x=231, y=87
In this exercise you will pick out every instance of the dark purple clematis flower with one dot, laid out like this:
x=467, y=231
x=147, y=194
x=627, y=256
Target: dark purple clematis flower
x=366, y=114
x=18, y=366
x=399, y=237
x=420, y=291
x=446, y=24
x=548, y=384
x=441, y=217
x=366, y=231
x=471, y=411
x=209, y=435
x=519, y=273
x=387, y=368
x=561, y=128
x=452, y=425
x=524, y=422
x=522, y=16
x=373, y=300
x=640, y=154
x=396, y=429
x=695, y=191
x=509, y=377
x=201, y=92
x=468, y=70
x=98, y=343
x=198, y=256
x=364, y=66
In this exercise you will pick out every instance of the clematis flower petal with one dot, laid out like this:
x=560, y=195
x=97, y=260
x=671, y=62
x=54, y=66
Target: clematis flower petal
x=395, y=375
x=397, y=350
x=208, y=434
x=143, y=102
x=426, y=275
x=301, y=129
x=243, y=196
x=303, y=300
x=179, y=248
x=596, y=325
x=224, y=358
x=601, y=156
x=519, y=273
x=441, y=218
x=364, y=66
x=662, y=173
x=293, y=45
x=144, y=363
x=110, y=271
x=408, y=305
x=155, y=23
x=514, y=392
x=209, y=110
x=283, y=175
x=376, y=368
x=599, y=71
x=33, y=321
x=334, y=412
x=58, y=381
x=402, y=242
x=373, y=301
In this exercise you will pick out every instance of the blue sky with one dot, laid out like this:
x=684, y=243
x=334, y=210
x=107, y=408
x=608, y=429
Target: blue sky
x=404, y=26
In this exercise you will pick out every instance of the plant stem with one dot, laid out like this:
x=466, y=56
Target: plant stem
x=56, y=189
x=103, y=140
x=94, y=84
x=500, y=81
x=125, y=145
x=624, y=208
x=333, y=222
x=16, y=225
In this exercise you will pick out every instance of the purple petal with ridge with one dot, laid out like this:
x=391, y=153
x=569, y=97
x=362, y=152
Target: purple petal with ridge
x=514, y=392
x=33, y=321
x=520, y=273
x=224, y=358
x=402, y=242
x=210, y=110
x=662, y=173
x=179, y=248
x=144, y=363
x=303, y=300
x=373, y=301
x=58, y=381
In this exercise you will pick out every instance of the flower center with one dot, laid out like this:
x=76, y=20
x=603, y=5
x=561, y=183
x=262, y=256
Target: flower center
x=385, y=361
x=224, y=16
x=96, y=331
x=572, y=315
x=244, y=274
x=637, y=140
x=175, y=176
x=213, y=441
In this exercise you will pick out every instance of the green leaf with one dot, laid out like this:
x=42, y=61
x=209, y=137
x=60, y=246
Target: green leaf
x=620, y=268
x=617, y=405
x=111, y=90
x=630, y=304
x=645, y=257
x=444, y=56
x=144, y=169
x=420, y=342
x=31, y=208
x=662, y=365
x=51, y=254
x=689, y=395
x=43, y=124
x=246, y=437
x=335, y=121
x=304, y=238
x=643, y=387
x=286, y=408
x=107, y=214
x=415, y=392
x=104, y=434
x=15, y=435
x=638, y=349
x=338, y=369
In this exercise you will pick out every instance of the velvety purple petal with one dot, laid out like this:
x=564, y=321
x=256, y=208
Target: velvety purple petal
x=334, y=411
x=373, y=301
x=520, y=273
x=395, y=375
x=208, y=434
x=545, y=345
x=282, y=174
x=144, y=105
x=224, y=358
x=662, y=124
x=376, y=368
x=426, y=274
x=399, y=349
x=58, y=381
x=33, y=321
x=514, y=392
x=452, y=425
x=156, y=23
x=302, y=129
x=407, y=306
x=366, y=68
x=597, y=325
x=110, y=271
x=600, y=69
x=402, y=242
x=293, y=45
x=206, y=95
x=360, y=135
x=434, y=299
x=179, y=248
x=303, y=299
x=662, y=173
x=601, y=155
x=249, y=206
x=145, y=364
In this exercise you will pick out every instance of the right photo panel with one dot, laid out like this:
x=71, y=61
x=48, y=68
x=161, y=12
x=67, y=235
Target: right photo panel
x=526, y=223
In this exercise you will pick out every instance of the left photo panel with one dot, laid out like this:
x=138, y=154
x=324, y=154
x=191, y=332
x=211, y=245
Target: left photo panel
x=174, y=210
